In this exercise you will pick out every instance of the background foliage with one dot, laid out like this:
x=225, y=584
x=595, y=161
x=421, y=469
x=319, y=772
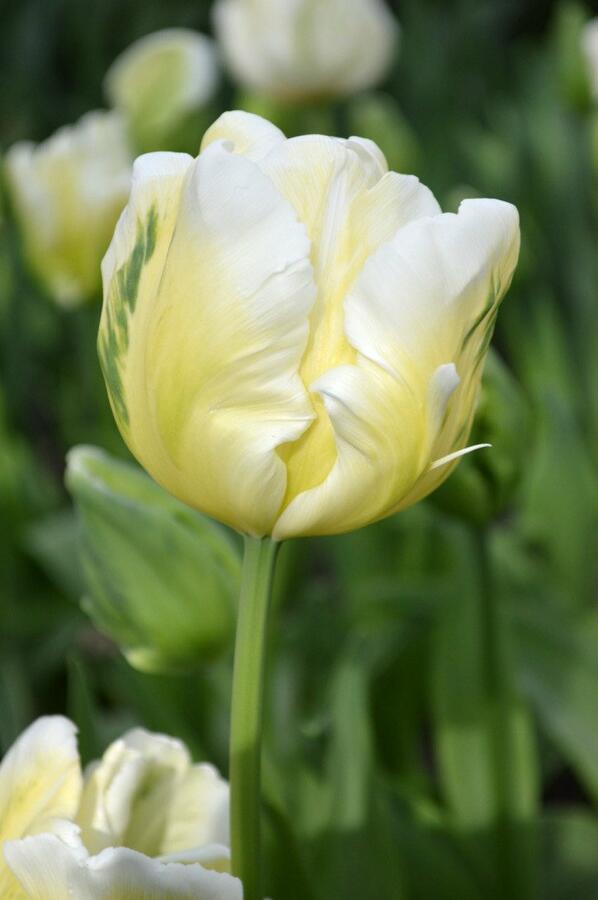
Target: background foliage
x=433, y=684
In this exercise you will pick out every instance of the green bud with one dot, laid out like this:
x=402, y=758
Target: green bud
x=161, y=84
x=161, y=578
x=379, y=117
x=483, y=485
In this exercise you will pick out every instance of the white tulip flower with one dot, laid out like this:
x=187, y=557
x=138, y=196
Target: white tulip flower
x=293, y=337
x=146, y=794
x=67, y=193
x=306, y=49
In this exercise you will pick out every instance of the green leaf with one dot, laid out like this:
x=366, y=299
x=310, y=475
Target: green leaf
x=161, y=579
x=570, y=861
x=558, y=670
x=484, y=737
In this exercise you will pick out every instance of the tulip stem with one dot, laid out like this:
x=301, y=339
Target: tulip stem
x=247, y=713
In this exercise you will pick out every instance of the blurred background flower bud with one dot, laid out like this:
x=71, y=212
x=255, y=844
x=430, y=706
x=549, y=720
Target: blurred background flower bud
x=378, y=116
x=589, y=45
x=575, y=57
x=67, y=194
x=484, y=485
x=161, y=579
x=298, y=51
x=160, y=84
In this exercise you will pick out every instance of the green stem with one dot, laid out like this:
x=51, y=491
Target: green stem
x=247, y=713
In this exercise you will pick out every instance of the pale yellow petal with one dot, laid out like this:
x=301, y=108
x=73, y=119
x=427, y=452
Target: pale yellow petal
x=131, y=272
x=40, y=781
x=378, y=432
x=212, y=365
x=428, y=299
x=249, y=134
x=52, y=867
x=198, y=811
x=349, y=207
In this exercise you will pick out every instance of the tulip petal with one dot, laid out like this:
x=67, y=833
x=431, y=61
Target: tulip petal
x=56, y=867
x=40, y=781
x=457, y=454
x=250, y=135
x=349, y=210
x=430, y=297
x=420, y=296
x=198, y=812
x=131, y=271
x=211, y=856
x=377, y=428
x=145, y=794
x=421, y=310
x=231, y=313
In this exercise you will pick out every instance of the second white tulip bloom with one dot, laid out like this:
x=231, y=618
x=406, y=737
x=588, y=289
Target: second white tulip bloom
x=306, y=49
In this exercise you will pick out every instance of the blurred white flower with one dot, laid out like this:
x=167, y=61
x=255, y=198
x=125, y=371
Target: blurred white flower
x=160, y=80
x=67, y=193
x=58, y=866
x=146, y=794
x=589, y=43
x=302, y=49
x=40, y=783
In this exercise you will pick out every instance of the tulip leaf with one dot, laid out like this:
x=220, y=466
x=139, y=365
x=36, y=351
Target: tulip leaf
x=484, y=738
x=161, y=579
x=558, y=669
x=570, y=869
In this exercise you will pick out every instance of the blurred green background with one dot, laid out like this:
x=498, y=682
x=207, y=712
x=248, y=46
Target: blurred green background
x=433, y=680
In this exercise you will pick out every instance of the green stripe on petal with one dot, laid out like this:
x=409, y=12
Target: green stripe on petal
x=122, y=299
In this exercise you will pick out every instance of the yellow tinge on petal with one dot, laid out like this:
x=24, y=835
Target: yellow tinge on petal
x=293, y=337
x=40, y=783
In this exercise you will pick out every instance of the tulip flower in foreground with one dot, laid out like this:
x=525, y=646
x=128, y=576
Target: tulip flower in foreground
x=160, y=81
x=298, y=51
x=293, y=339
x=167, y=818
x=67, y=194
x=292, y=336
